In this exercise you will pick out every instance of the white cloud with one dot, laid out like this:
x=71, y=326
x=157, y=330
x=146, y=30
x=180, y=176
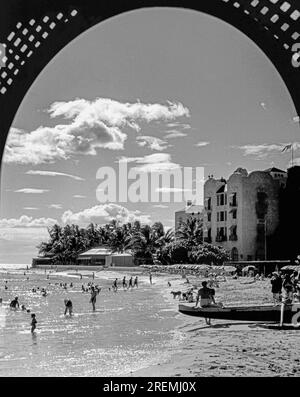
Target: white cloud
x=31, y=191
x=171, y=190
x=263, y=150
x=26, y=221
x=157, y=162
x=79, y=196
x=152, y=142
x=30, y=208
x=53, y=173
x=161, y=206
x=174, y=134
x=55, y=206
x=181, y=126
x=92, y=125
x=201, y=144
x=104, y=213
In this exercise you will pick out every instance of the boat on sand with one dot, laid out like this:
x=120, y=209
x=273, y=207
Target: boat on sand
x=259, y=313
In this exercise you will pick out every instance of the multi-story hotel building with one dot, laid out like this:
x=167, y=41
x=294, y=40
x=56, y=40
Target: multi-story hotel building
x=242, y=212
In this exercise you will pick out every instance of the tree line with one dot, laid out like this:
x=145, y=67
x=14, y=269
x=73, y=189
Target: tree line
x=146, y=243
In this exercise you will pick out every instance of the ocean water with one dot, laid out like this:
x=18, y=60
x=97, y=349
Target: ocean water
x=130, y=329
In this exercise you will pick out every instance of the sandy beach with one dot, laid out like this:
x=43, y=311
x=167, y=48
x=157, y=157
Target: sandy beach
x=228, y=348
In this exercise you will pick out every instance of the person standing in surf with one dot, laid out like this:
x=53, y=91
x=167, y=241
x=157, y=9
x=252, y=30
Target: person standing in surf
x=130, y=283
x=93, y=299
x=124, y=283
x=68, y=306
x=33, y=323
x=150, y=278
x=135, y=284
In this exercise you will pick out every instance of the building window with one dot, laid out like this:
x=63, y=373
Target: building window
x=220, y=199
x=234, y=214
x=221, y=234
x=218, y=216
x=207, y=204
x=233, y=233
x=233, y=200
x=209, y=217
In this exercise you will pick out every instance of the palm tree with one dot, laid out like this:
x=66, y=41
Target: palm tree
x=191, y=232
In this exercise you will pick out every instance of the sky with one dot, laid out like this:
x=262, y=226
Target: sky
x=158, y=89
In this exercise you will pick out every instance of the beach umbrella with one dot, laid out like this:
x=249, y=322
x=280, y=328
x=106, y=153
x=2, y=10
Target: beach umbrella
x=249, y=267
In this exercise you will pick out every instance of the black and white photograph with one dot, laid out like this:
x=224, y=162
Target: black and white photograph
x=150, y=191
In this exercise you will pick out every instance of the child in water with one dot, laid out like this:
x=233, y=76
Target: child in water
x=33, y=322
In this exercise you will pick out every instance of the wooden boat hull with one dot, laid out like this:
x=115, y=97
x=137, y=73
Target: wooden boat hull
x=263, y=313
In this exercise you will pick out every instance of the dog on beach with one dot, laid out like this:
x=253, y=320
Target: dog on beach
x=176, y=293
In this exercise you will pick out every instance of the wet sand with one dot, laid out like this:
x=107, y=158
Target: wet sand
x=229, y=348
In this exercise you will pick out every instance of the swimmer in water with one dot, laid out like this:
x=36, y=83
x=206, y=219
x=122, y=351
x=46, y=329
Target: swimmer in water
x=33, y=323
x=14, y=303
x=23, y=307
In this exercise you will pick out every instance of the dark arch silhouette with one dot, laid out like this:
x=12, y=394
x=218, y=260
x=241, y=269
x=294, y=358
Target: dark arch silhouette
x=34, y=31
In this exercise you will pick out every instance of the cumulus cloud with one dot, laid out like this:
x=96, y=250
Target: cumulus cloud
x=152, y=142
x=31, y=191
x=157, y=162
x=263, y=150
x=90, y=125
x=53, y=173
x=104, y=213
x=26, y=221
x=30, y=208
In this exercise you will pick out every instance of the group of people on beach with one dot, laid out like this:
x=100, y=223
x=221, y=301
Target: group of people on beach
x=285, y=287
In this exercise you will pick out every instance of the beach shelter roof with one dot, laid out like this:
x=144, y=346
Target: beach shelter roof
x=97, y=251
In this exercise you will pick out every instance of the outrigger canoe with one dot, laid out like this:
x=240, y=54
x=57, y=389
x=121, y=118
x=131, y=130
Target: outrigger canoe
x=263, y=313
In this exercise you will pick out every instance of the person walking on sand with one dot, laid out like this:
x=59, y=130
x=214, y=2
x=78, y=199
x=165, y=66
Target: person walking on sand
x=68, y=307
x=93, y=298
x=150, y=278
x=33, y=323
x=135, y=284
x=288, y=288
x=124, y=282
x=276, y=283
